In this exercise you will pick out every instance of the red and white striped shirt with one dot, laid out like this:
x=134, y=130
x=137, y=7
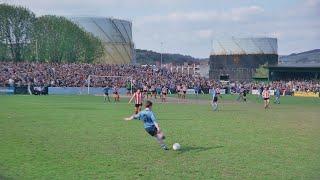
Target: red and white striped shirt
x=138, y=98
x=266, y=94
x=184, y=88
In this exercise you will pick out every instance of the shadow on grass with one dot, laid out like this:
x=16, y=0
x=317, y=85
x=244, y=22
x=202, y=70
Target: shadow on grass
x=185, y=149
x=231, y=110
x=175, y=119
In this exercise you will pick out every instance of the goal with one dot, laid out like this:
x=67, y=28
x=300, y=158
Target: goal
x=96, y=84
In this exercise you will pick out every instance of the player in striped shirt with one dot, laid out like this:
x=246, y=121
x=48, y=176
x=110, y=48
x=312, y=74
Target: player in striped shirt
x=266, y=97
x=138, y=98
x=145, y=91
x=178, y=91
x=164, y=92
x=218, y=92
x=116, y=94
x=153, y=91
x=184, y=91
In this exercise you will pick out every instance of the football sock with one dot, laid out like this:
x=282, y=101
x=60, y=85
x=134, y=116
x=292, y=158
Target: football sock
x=163, y=146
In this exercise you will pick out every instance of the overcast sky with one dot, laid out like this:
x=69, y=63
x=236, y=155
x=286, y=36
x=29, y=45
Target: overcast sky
x=189, y=26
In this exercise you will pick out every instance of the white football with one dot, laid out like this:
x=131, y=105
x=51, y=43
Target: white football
x=176, y=146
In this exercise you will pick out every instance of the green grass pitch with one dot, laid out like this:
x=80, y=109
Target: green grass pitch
x=80, y=137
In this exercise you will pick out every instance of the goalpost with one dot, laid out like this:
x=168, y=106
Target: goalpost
x=90, y=77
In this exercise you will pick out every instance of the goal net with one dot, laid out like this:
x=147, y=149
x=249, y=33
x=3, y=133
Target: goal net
x=97, y=84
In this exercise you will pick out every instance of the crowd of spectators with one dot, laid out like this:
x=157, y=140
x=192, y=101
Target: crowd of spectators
x=76, y=75
x=284, y=86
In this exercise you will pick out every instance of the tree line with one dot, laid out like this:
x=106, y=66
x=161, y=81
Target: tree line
x=151, y=57
x=49, y=38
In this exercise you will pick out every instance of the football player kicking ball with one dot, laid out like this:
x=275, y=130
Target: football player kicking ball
x=150, y=124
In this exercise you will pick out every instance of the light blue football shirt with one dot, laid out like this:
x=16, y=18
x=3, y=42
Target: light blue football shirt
x=213, y=92
x=147, y=117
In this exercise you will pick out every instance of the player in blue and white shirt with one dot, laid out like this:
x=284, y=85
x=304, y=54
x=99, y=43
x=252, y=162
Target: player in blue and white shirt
x=214, y=102
x=150, y=124
x=277, y=95
x=106, y=94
